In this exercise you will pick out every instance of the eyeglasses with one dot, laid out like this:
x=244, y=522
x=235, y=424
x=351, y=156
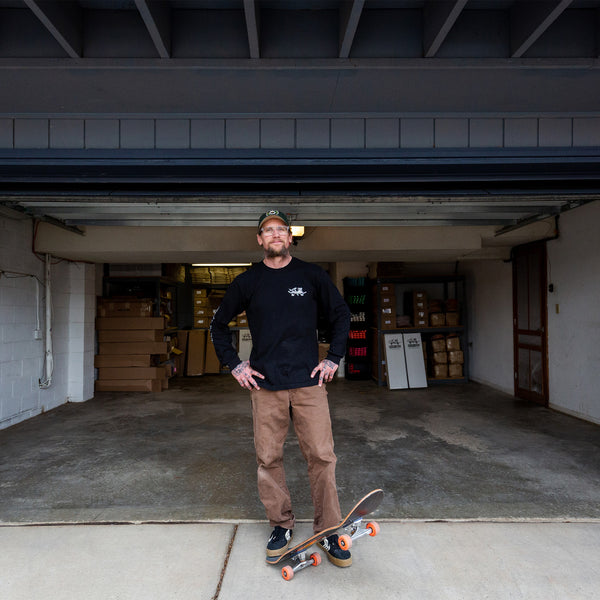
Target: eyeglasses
x=269, y=231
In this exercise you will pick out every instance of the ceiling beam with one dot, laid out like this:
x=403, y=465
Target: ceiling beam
x=253, y=26
x=529, y=20
x=157, y=18
x=438, y=20
x=349, y=17
x=64, y=21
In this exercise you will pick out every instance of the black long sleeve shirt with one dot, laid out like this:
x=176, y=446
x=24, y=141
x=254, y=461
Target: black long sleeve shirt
x=282, y=306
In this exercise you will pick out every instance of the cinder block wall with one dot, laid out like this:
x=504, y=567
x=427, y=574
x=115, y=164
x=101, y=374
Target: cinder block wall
x=21, y=355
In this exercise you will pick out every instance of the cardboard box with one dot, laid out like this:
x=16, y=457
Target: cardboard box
x=437, y=319
x=388, y=300
x=179, y=359
x=108, y=307
x=452, y=342
x=123, y=385
x=244, y=344
x=130, y=335
x=387, y=288
x=455, y=370
x=323, y=350
x=202, y=322
x=440, y=371
x=196, y=350
x=435, y=306
x=133, y=348
x=122, y=360
x=421, y=318
x=440, y=358
x=452, y=319
x=212, y=364
x=129, y=373
x=201, y=302
x=438, y=343
x=200, y=293
x=388, y=317
x=130, y=323
x=456, y=357
x=242, y=321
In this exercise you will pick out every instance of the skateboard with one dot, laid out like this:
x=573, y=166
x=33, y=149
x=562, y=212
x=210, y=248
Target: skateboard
x=352, y=525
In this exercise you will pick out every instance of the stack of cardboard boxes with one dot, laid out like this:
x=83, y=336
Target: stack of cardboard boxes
x=387, y=306
x=447, y=356
x=201, y=357
x=444, y=314
x=131, y=347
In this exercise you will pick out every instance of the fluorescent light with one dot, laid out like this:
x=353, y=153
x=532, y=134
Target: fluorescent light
x=297, y=230
x=221, y=264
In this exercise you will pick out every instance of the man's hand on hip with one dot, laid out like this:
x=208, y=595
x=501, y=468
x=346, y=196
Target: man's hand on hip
x=327, y=369
x=244, y=375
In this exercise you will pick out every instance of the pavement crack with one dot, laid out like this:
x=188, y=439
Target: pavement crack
x=225, y=563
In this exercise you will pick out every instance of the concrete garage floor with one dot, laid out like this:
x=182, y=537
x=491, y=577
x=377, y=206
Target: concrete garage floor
x=481, y=495
x=186, y=454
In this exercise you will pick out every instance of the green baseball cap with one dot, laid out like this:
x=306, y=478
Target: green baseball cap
x=273, y=214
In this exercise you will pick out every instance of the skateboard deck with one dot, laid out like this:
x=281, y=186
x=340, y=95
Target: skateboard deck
x=351, y=522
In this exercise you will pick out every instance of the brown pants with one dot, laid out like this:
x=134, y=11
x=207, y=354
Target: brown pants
x=312, y=423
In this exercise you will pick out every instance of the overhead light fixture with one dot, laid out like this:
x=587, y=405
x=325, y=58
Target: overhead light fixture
x=221, y=264
x=297, y=231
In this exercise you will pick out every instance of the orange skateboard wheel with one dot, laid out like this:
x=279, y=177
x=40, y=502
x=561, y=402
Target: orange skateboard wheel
x=316, y=558
x=345, y=542
x=287, y=573
x=374, y=527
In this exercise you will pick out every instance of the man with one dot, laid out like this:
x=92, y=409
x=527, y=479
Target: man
x=283, y=297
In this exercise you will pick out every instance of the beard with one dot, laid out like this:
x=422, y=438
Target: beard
x=273, y=253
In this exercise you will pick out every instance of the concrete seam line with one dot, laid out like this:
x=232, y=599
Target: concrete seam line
x=224, y=569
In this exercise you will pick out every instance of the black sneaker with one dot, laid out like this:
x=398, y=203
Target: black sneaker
x=279, y=541
x=339, y=557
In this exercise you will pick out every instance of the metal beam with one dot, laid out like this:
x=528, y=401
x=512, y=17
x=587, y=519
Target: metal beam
x=438, y=20
x=253, y=27
x=529, y=20
x=349, y=17
x=157, y=18
x=64, y=21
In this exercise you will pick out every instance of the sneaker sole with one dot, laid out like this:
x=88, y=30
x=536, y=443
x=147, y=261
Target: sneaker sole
x=339, y=562
x=279, y=551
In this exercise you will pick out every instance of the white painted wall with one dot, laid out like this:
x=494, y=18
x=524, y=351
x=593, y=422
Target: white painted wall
x=21, y=355
x=489, y=305
x=574, y=332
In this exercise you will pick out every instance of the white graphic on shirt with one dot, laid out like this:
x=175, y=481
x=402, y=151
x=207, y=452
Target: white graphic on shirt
x=297, y=291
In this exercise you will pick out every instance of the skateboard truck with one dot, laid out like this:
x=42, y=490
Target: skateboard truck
x=314, y=560
x=355, y=531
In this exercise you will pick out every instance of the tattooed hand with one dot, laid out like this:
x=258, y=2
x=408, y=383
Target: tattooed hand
x=244, y=375
x=327, y=368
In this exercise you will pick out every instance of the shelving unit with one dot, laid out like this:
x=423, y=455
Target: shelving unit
x=205, y=286
x=445, y=289
x=161, y=290
x=358, y=356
